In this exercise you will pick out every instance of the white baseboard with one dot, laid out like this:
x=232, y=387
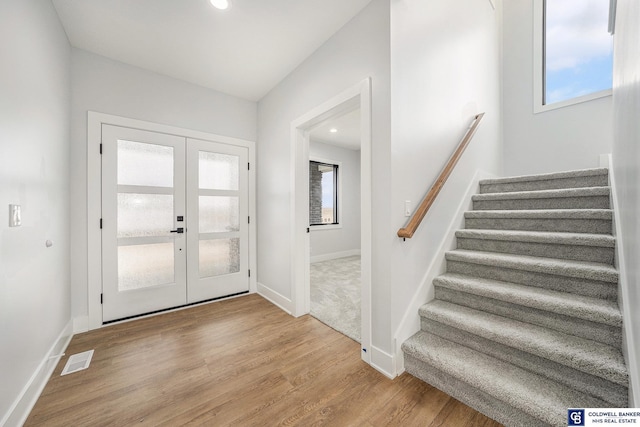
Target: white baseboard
x=383, y=362
x=335, y=255
x=410, y=323
x=80, y=324
x=628, y=349
x=24, y=403
x=275, y=298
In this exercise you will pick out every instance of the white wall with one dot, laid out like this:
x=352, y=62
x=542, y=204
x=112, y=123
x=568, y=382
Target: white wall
x=445, y=68
x=325, y=242
x=359, y=50
x=34, y=165
x=626, y=160
x=563, y=139
x=106, y=86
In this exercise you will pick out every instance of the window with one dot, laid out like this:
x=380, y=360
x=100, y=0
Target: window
x=573, y=52
x=323, y=193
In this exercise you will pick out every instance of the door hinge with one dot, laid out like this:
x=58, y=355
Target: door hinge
x=100, y=148
x=249, y=273
x=101, y=298
x=248, y=166
x=248, y=220
x=100, y=223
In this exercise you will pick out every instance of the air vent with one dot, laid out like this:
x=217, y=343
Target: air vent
x=77, y=362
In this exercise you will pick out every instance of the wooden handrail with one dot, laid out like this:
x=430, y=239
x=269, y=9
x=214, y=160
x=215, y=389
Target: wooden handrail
x=419, y=214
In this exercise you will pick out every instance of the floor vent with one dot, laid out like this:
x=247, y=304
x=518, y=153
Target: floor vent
x=77, y=362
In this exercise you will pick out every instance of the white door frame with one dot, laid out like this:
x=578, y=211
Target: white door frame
x=352, y=98
x=94, y=198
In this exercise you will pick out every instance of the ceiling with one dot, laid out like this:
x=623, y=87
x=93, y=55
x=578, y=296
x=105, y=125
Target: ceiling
x=348, y=131
x=243, y=51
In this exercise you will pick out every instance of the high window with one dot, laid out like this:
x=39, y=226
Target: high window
x=323, y=193
x=573, y=52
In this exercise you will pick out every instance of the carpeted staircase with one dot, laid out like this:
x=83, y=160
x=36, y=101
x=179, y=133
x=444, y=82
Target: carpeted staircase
x=525, y=322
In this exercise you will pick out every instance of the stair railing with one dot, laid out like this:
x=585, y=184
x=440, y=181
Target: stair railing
x=413, y=224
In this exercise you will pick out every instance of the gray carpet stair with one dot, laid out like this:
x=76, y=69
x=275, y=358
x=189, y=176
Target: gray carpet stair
x=525, y=321
x=566, y=198
x=548, y=181
x=596, y=319
x=576, y=246
x=597, y=221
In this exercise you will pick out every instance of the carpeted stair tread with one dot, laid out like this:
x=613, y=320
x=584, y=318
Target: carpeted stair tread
x=544, y=194
x=532, y=394
x=617, y=395
x=600, y=214
x=598, y=248
x=547, y=176
x=578, y=353
x=575, y=269
x=591, y=221
x=554, y=238
x=591, y=309
x=573, y=179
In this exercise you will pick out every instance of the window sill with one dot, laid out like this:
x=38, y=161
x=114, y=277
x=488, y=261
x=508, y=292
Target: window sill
x=537, y=108
x=325, y=227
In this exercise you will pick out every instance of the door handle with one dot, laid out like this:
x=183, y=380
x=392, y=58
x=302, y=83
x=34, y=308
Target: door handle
x=178, y=230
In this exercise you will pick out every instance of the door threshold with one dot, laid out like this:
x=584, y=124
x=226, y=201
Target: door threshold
x=179, y=307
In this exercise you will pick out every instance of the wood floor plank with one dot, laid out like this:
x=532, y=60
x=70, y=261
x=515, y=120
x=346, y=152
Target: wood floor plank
x=239, y=362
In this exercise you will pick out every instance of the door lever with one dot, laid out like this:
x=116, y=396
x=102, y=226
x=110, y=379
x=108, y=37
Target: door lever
x=178, y=230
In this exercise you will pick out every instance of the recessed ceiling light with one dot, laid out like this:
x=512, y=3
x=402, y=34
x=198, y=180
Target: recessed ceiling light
x=333, y=130
x=220, y=4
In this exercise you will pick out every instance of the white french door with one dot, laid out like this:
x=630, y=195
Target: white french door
x=218, y=209
x=172, y=232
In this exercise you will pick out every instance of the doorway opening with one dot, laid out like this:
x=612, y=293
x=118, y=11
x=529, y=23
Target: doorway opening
x=354, y=102
x=334, y=220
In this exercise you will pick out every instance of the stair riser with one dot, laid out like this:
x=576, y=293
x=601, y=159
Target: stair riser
x=524, y=224
x=571, y=252
x=589, y=288
x=586, y=202
x=598, y=387
x=550, y=184
x=471, y=396
x=606, y=334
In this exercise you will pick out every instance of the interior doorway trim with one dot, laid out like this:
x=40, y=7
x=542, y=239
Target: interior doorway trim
x=94, y=198
x=352, y=98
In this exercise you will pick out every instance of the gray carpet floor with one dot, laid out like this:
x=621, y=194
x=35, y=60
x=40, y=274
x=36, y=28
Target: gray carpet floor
x=335, y=294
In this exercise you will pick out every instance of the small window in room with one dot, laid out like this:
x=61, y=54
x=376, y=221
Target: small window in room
x=574, y=52
x=323, y=193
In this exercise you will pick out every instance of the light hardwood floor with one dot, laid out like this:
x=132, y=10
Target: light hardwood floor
x=239, y=362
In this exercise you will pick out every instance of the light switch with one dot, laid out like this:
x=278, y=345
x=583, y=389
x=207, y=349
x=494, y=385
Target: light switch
x=14, y=216
x=407, y=208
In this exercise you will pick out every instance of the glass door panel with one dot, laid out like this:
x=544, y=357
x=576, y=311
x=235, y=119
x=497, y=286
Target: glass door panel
x=145, y=164
x=142, y=266
x=219, y=257
x=218, y=171
x=219, y=214
x=144, y=214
